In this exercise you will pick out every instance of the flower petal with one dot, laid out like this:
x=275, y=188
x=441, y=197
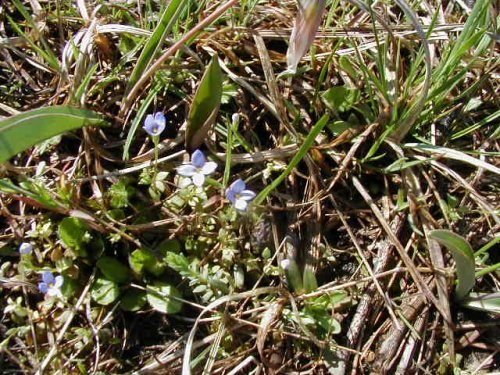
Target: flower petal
x=231, y=196
x=43, y=287
x=209, y=168
x=186, y=170
x=59, y=281
x=247, y=195
x=198, y=179
x=25, y=248
x=240, y=204
x=238, y=186
x=198, y=159
x=160, y=119
x=53, y=291
x=48, y=277
x=149, y=122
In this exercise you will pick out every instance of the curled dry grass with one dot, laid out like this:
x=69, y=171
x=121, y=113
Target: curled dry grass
x=359, y=226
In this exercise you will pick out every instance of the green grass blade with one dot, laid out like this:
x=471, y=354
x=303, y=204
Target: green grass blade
x=46, y=53
x=317, y=128
x=24, y=130
x=464, y=259
x=154, y=43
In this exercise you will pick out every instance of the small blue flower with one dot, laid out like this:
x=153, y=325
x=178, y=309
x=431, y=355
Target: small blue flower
x=196, y=171
x=238, y=195
x=25, y=248
x=51, y=285
x=154, y=124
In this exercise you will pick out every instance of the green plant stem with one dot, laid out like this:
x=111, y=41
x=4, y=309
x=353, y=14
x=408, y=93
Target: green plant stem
x=229, y=151
x=487, y=270
x=296, y=159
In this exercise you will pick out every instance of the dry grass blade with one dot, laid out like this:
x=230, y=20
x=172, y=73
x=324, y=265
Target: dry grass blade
x=276, y=96
x=421, y=284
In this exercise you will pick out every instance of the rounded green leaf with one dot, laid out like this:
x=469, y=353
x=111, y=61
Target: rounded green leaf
x=73, y=233
x=104, y=292
x=113, y=270
x=142, y=260
x=158, y=296
x=21, y=131
x=133, y=300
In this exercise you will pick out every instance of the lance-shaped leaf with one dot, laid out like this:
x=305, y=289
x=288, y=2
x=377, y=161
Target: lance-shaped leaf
x=19, y=132
x=205, y=106
x=464, y=259
x=306, y=25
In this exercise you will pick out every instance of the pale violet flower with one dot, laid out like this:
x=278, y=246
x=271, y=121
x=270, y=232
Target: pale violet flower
x=25, y=248
x=239, y=196
x=196, y=171
x=51, y=285
x=154, y=124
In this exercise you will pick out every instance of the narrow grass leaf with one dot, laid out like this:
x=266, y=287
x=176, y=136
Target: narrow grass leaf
x=464, y=259
x=154, y=43
x=19, y=132
x=453, y=154
x=205, y=106
x=488, y=302
x=46, y=52
x=316, y=129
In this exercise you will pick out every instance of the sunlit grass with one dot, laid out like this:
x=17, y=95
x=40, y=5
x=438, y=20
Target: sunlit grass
x=177, y=263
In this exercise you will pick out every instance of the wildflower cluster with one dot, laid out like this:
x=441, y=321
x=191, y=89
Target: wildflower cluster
x=199, y=168
x=50, y=284
x=196, y=172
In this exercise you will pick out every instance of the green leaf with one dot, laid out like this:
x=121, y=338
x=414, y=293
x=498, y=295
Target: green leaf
x=402, y=164
x=341, y=98
x=205, y=106
x=113, y=270
x=73, y=233
x=155, y=41
x=169, y=246
x=293, y=275
x=104, y=291
x=310, y=282
x=19, y=132
x=33, y=190
x=142, y=260
x=133, y=300
x=308, y=142
x=119, y=194
x=488, y=302
x=464, y=259
x=158, y=296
